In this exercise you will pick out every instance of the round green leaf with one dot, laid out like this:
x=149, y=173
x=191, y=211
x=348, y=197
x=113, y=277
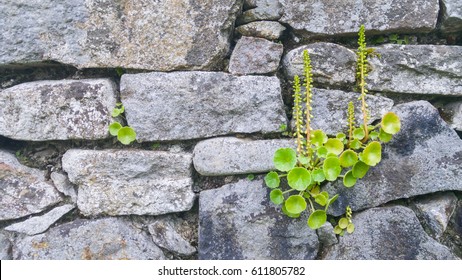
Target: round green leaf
x=340, y=136
x=350, y=228
x=334, y=146
x=114, y=128
x=349, y=180
x=303, y=160
x=331, y=168
x=290, y=215
x=285, y=159
x=374, y=135
x=385, y=137
x=322, y=152
x=318, y=175
x=372, y=154
x=115, y=112
x=360, y=169
x=272, y=180
x=276, y=196
x=318, y=137
x=322, y=198
x=348, y=158
x=391, y=123
x=343, y=223
x=359, y=133
x=355, y=144
x=299, y=178
x=126, y=135
x=337, y=230
x=295, y=204
x=317, y=219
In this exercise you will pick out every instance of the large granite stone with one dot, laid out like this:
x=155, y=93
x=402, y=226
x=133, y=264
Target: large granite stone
x=237, y=221
x=23, y=190
x=452, y=15
x=327, y=17
x=102, y=239
x=130, y=182
x=57, y=110
x=417, y=69
x=390, y=233
x=158, y=35
x=188, y=105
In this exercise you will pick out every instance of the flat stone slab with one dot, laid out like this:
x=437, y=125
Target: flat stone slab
x=452, y=16
x=229, y=155
x=23, y=190
x=238, y=221
x=326, y=17
x=130, y=182
x=271, y=30
x=189, y=105
x=39, y=224
x=57, y=110
x=389, y=233
x=261, y=10
x=159, y=35
x=417, y=69
x=332, y=64
x=102, y=239
x=424, y=157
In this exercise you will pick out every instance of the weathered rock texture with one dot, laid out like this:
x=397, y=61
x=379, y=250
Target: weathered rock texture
x=261, y=10
x=157, y=35
x=453, y=112
x=237, y=221
x=63, y=185
x=23, y=190
x=39, y=224
x=255, y=56
x=130, y=182
x=390, y=233
x=326, y=17
x=330, y=109
x=164, y=235
x=57, y=110
x=424, y=157
x=229, y=155
x=109, y=238
x=452, y=15
x=188, y=105
x=5, y=247
x=271, y=30
x=332, y=64
x=422, y=69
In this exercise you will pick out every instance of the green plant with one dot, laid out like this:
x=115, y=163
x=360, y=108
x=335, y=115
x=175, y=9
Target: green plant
x=125, y=134
x=345, y=224
x=320, y=158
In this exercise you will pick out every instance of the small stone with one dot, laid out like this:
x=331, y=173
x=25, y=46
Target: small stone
x=237, y=221
x=191, y=105
x=23, y=190
x=39, y=224
x=389, y=233
x=165, y=236
x=326, y=235
x=416, y=69
x=264, y=10
x=255, y=56
x=102, y=239
x=325, y=17
x=332, y=64
x=229, y=155
x=435, y=211
x=271, y=30
x=453, y=112
x=57, y=110
x=5, y=247
x=452, y=16
x=130, y=182
x=63, y=185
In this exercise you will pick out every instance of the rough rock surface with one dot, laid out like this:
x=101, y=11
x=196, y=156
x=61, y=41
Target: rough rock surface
x=453, y=111
x=229, y=155
x=390, y=233
x=326, y=235
x=63, y=185
x=109, y=238
x=23, y=190
x=188, y=105
x=424, y=157
x=237, y=221
x=57, y=110
x=330, y=109
x=158, y=35
x=5, y=247
x=435, y=211
x=332, y=64
x=263, y=10
x=39, y=224
x=452, y=15
x=418, y=69
x=271, y=30
x=255, y=56
x=325, y=17
x=130, y=182
x=165, y=236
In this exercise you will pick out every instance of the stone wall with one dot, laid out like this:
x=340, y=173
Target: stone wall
x=207, y=87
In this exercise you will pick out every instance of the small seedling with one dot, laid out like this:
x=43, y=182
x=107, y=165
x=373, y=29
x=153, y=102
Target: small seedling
x=125, y=134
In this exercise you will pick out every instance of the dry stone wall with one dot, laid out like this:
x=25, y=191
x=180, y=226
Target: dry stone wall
x=206, y=85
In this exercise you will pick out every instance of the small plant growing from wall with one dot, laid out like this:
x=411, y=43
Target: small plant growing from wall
x=125, y=134
x=319, y=158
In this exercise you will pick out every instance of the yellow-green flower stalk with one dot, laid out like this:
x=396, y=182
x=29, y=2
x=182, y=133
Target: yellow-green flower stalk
x=298, y=115
x=308, y=98
x=351, y=121
x=361, y=76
